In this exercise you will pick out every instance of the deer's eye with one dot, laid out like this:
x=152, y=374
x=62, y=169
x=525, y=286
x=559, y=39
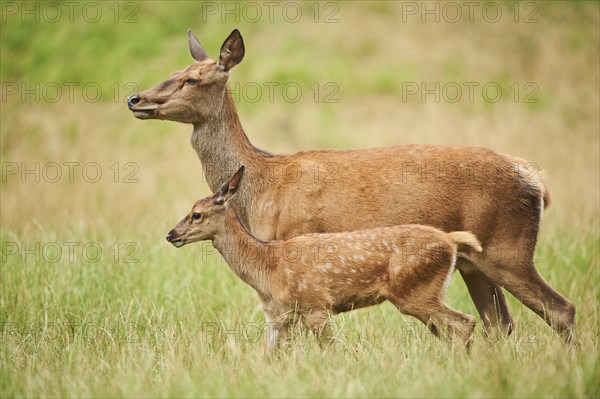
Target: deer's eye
x=196, y=215
x=191, y=81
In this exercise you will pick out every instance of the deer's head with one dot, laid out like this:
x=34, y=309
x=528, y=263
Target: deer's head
x=195, y=93
x=207, y=216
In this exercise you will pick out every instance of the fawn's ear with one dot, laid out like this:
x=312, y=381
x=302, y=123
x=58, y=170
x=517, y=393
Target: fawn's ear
x=230, y=187
x=196, y=49
x=232, y=50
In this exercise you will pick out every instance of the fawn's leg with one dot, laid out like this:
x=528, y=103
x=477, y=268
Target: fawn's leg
x=277, y=325
x=318, y=322
x=417, y=289
x=275, y=334
x=444, y=322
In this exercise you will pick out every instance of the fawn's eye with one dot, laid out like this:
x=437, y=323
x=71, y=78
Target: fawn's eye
x=196, y=215
x=191, y=81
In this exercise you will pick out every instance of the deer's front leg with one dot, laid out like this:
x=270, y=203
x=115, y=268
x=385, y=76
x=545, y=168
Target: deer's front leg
x=277, y=326
x=319, y=323
x=275, y=334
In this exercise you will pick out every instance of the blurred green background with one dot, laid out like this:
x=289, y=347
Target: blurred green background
x=66, y=69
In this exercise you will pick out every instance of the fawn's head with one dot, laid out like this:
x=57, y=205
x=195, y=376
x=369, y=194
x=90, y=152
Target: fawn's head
x=195, y=93
x=207, y=216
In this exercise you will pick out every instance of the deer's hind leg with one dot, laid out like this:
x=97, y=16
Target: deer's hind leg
x=512, y=267
x=417, y=289
x=488, y=299
x=319, y=323
x=507, y=259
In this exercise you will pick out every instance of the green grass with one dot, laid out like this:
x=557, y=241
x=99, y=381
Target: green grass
x=172, y=325
x=178, y=323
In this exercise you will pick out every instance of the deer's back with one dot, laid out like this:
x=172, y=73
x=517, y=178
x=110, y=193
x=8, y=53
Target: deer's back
x=451, y=188
x=349, y=270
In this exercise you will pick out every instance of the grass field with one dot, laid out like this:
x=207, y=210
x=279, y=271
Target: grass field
x=95, y=303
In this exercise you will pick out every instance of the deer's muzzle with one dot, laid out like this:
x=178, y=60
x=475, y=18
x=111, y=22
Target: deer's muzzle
x=174, y=239
x=136, y=104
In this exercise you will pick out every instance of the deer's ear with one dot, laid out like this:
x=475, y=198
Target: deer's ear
x=229, y=188
x=234, y=182
x=232, y=50
x=196, y=50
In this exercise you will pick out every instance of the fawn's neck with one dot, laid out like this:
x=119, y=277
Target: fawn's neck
x=223, y=147
x=248, y=257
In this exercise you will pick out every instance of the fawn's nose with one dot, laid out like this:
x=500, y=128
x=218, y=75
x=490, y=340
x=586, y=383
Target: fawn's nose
x=133, y=100
x=170, y=235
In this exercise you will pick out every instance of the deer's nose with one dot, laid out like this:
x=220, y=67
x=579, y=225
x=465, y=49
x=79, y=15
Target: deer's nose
x=133, y=100
x=170, y=235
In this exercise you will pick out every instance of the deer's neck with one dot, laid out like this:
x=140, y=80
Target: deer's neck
x=248, y=257
x=223, y=147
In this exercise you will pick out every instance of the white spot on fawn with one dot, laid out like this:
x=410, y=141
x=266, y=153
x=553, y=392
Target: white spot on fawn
x=302, y=286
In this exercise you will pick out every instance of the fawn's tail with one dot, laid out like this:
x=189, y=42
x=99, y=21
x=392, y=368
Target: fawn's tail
x=466, y=238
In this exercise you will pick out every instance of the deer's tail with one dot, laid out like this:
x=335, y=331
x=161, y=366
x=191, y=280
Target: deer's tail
x=465, y=238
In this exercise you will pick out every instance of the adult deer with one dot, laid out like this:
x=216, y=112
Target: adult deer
x=496, y=196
